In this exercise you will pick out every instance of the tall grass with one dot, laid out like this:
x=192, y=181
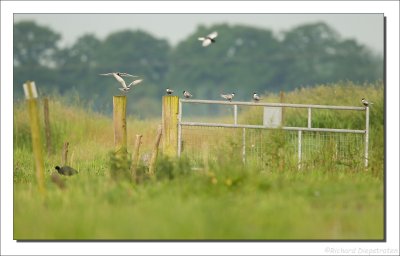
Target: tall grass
x=224, y=199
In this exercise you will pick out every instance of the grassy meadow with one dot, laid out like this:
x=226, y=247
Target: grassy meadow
x=223, y=200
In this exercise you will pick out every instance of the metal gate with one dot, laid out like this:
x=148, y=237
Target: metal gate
x=198, y=139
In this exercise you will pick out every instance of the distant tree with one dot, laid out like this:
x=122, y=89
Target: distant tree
x=135, y=52
x=315, y=53
x=84, y=51
x=34, y=49
x=77, y=65
x=307, y=52
x=34, y=44
x=356, y=62
x=241, y=59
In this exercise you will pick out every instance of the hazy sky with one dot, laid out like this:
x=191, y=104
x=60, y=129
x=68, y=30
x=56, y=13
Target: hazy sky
x=365, y=28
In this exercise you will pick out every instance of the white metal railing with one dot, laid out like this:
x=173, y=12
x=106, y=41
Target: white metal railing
x=309, y=127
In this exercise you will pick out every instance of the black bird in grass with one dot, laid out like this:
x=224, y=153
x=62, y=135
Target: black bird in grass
x=66, y=170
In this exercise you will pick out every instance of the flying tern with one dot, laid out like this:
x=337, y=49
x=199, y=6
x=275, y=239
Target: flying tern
x=209, y=39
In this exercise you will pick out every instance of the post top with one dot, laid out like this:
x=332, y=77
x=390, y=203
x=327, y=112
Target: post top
x=30, y=90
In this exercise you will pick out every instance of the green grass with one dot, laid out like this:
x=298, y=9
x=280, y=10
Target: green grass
x=223, y=205
x=223, y=201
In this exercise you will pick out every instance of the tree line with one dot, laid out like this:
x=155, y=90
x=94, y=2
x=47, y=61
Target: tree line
x=243, y=59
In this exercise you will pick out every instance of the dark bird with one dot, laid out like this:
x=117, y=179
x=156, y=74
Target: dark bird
x=228, y=96
x=365, y=102
x=209, y=39
x=169, y=91
x=256, y=97
x=187, y=94
x=66, y=170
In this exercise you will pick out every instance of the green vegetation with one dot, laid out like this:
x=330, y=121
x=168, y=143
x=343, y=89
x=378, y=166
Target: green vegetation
x=222, y=200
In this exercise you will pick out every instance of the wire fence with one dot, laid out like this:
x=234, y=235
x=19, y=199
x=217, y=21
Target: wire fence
x=267, y=148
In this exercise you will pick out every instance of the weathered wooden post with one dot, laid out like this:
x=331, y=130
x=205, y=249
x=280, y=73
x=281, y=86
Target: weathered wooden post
x=135, y=156
x=47, y=124
x=170, y=112
x=120, y=136
x=154, y=153
x=31, y=99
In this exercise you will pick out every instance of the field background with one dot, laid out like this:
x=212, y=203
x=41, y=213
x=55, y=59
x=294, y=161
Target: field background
x=224, y=200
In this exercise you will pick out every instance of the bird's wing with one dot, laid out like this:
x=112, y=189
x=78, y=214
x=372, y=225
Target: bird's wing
x=119, y=79
x=224, y=96
x=202, y=38
x=135, y=82
x=206, y=42
x=126, y=74
x=107, y=74
x=213, y=35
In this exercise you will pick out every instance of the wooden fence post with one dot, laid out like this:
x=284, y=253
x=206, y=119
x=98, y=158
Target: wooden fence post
x=32, y=102
x=47, y=125
x=121, y=167
x=155, y=152
x=135, y=156
x=170, y=112
x=119, y=114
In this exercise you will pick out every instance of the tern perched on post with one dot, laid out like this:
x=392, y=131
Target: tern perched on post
x=169, y=91
x=365, y=102
x=256, y=97
x=209, y=39
x=118, y=76
x=187, y=94
x=228, y=96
